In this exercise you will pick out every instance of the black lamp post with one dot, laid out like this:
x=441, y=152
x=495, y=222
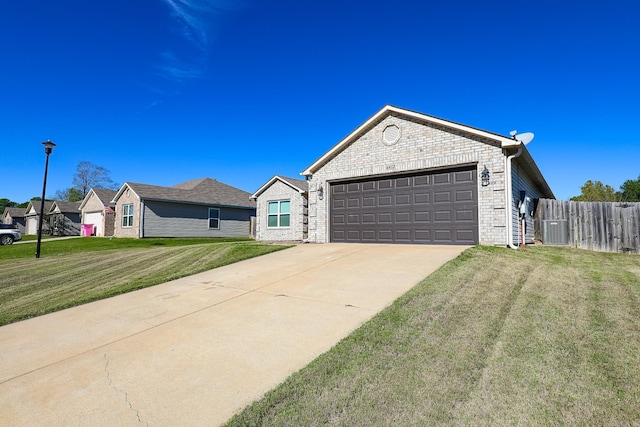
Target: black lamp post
x=48, y=147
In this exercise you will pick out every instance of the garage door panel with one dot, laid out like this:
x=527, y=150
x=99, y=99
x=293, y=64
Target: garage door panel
x=385, y=183
x=369, y=186
x=385, y=217
x=427, y=208
x=403, y=235
x=442, y=178
x=423, y=236
x=385, y=200
x=403, y=217
x=403, y=182
x=423, y=216
x=442, y=216
x=368, y=218
x=442, y=236
x=464, y=176
x=368, y=202
x=422, y=180
x=403, y=199
x=442, y=197
x=353, y=219
x=369, y=235
x=464, y=196
x=465, y=216
x=421, y=198
x=466, y=236
x=338, y=188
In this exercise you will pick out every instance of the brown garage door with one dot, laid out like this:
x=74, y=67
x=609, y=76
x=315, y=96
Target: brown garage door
x=437, y=207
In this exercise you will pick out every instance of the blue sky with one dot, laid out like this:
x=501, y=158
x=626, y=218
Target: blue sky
x=165, y=91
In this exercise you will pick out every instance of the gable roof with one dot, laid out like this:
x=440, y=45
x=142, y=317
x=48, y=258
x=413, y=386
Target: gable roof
x=297, y=184
x=205, y=191
x=36, y=205
x=65, y=207
x=13, y=212
x=104, y=195
x=387, y=110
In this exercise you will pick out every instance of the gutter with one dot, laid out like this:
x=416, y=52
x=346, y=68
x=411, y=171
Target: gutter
x=510, y=197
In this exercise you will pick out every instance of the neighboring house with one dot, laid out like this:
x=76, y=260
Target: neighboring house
x=199, y=208
x=64, y=218
x=97, y=209
x=281, y=211
x=32, y=215
x=406, y=177
x=15, y=216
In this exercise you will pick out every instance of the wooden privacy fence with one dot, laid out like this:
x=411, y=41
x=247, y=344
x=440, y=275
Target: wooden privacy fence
x=596, y=226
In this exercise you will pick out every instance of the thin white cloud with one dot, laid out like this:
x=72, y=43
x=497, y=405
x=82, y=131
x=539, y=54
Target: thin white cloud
x=196, y=19
x=188, y=13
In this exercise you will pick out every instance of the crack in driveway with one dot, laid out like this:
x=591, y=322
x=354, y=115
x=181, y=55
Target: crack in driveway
x=126, y=395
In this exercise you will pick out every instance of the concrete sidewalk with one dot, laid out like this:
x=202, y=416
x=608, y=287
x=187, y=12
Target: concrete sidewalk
x=197, y=350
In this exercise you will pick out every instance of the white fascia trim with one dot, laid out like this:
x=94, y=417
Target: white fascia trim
x=86, y=199
x=504, y=141
x=270, y=183
x=121, y=190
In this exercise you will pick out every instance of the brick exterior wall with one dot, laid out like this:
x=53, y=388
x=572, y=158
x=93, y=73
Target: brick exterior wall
x=298, y=228
x=422, y=146
x=127, y=197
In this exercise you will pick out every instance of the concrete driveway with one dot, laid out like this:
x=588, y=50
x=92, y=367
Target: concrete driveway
x=197, y=350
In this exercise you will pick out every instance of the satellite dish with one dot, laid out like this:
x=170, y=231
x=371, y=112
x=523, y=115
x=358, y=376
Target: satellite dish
x=513, y=132
x=525, y=138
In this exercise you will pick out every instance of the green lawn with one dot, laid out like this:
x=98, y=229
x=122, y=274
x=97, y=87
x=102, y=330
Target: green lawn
x=497, y=337
x=75, y=271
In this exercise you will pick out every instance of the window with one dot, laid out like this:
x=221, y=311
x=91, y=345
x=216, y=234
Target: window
x=214, y=218
x=127, y=215
x=279, y=213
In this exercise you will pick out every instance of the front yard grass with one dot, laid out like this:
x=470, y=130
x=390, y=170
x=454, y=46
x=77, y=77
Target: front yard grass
x=542, y=336
x=76, y=271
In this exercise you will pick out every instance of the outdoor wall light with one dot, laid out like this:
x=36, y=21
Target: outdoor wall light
x=484, y=176
x=320, y=192
x=48, y=147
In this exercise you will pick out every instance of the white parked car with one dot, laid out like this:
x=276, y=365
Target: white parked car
x=8, y=234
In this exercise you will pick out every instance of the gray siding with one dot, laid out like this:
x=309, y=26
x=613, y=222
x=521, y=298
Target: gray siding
x=162, y=219
x=521, y=182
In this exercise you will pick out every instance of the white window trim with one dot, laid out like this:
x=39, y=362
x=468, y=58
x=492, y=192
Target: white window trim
x=279, y=214
x=130, y=215
x=209, y=218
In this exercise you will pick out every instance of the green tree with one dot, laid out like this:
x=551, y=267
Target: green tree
x=6, y=203
x=630, y=190
x=68, y=195
x=597, y=192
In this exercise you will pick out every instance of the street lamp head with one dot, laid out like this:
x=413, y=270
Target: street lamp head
x=48, y=146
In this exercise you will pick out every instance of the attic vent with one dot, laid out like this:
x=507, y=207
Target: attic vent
x=391, y=134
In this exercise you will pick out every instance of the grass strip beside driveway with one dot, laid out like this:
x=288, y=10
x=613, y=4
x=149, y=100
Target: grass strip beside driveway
x=32, y=287
x=543, y=336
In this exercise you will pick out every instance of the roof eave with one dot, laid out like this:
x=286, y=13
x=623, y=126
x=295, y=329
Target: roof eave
x=270, y=183
x=528, y=163
x=503, y=140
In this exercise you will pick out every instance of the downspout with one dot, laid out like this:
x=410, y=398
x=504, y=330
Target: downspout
x=141, y=226
x=510, y=197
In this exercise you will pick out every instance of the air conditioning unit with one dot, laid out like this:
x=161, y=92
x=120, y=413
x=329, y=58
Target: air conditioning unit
x=555, y=232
